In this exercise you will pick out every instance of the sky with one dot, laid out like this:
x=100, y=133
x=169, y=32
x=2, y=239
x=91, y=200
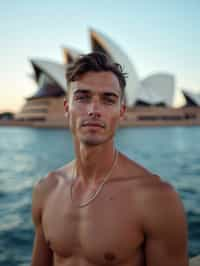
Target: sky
x=158, y=36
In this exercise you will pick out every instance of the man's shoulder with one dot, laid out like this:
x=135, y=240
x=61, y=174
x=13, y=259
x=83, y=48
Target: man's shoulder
x=136, y=171
x=161, y=205
x=44, y=187
x=153, y=190
x=41, y=190
x=46, y=184
x=156, y=191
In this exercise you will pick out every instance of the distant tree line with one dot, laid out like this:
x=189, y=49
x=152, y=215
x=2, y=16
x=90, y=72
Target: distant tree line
x=6, y=116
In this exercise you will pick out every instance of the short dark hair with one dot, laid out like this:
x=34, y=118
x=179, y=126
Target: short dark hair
x=96, y=61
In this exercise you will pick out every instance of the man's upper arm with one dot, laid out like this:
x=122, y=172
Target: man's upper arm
x=166, y=229
x=42, y=254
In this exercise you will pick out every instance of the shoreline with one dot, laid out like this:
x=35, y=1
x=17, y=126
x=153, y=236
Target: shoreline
x=124, y=125
x=135, y=117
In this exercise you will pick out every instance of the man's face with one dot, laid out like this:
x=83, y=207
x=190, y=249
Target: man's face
x=94, y=107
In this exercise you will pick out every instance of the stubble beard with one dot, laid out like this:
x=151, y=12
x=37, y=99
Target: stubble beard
x=94, y=140
x=91, y=140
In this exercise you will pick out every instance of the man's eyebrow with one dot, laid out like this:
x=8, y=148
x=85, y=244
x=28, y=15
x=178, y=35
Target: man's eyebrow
x=81, y=91
x=87, y=91
x=112, y=94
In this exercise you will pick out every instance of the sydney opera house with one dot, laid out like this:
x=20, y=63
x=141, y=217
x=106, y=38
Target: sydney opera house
x=150, y=101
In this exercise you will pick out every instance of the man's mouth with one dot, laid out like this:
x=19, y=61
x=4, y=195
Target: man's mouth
x=93, y=124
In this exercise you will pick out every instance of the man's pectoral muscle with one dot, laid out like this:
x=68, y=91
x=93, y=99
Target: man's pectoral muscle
x=158, y=213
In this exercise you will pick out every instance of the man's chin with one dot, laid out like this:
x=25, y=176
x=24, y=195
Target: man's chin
x=92, y=141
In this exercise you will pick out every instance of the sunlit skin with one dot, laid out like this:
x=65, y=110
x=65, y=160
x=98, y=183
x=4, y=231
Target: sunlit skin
x=95, y=107
x=135, y=220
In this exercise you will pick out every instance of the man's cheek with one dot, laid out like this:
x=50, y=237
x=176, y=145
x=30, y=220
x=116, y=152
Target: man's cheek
x=115, y=122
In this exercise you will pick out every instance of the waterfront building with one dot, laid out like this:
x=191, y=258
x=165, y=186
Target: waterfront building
x=150, y=100
x=46, y=104
x=192, y=99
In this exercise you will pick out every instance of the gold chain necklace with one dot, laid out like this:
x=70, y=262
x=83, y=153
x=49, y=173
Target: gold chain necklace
x=87, y=202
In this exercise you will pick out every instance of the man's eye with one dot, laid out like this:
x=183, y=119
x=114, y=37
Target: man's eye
x=82, y=97
x=109, y=100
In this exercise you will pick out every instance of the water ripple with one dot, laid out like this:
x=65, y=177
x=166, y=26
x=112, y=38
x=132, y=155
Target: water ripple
x=28, y=154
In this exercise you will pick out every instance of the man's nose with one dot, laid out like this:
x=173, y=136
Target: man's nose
x=94, y=109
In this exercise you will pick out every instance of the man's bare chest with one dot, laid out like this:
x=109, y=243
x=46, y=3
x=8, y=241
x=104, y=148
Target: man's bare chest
x=107, y=228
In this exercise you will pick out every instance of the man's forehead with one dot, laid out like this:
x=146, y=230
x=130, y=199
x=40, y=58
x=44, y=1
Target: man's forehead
x=81, y=86
x=100, y=81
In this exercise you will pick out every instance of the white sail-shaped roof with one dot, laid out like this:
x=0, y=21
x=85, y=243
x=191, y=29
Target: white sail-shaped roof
x=158, y=86
x=194, y=97
x=70, y=54
x=54, y=70
x=150, y=96
x=32, y=76
x=107, y=45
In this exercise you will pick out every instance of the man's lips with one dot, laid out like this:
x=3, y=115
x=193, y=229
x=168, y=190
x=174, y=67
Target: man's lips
x=93, y=124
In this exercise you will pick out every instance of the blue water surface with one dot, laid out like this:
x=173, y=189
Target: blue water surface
x=27, y=154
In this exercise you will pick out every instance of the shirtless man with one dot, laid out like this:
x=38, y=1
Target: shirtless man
x=103, y=208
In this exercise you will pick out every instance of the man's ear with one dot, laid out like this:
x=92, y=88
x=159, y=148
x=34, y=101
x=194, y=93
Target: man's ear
x=66, y=106
x=122, y=111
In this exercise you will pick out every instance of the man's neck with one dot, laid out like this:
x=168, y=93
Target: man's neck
x=94, y=162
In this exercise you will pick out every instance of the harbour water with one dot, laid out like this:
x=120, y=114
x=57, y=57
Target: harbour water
x=27, y=154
